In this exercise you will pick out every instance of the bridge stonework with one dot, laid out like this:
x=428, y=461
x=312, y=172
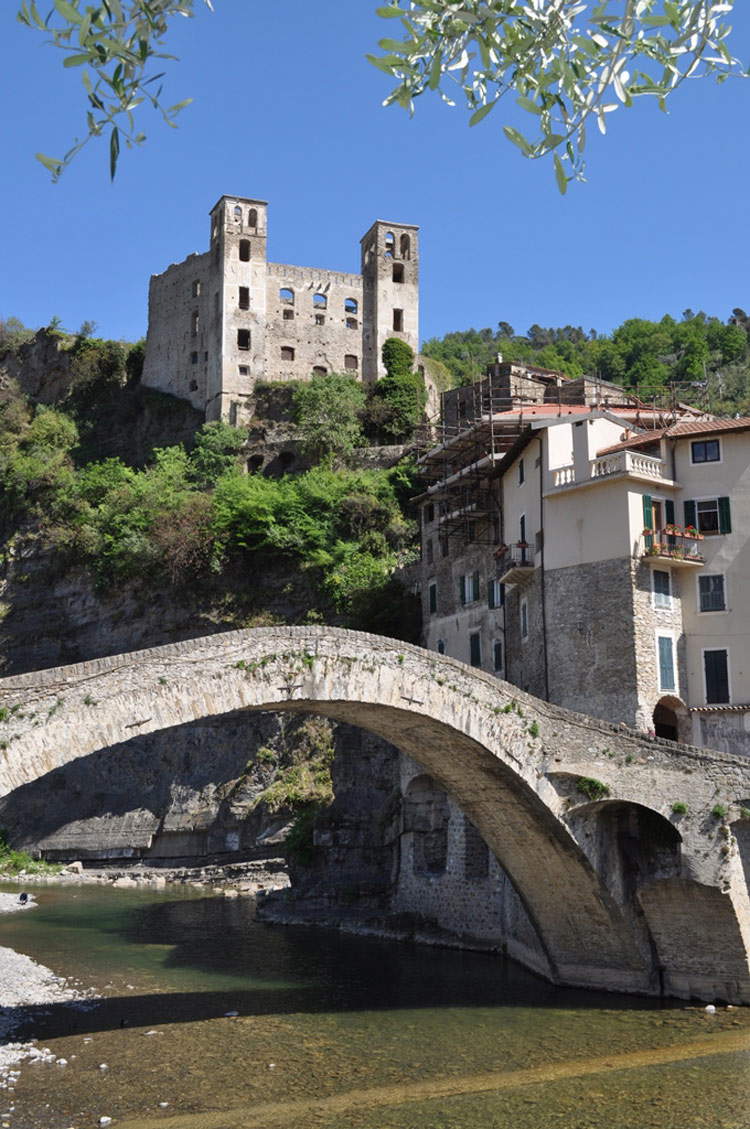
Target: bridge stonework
x=624, y=893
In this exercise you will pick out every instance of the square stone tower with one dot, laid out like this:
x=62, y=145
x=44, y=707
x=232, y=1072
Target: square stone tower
x=221, y=321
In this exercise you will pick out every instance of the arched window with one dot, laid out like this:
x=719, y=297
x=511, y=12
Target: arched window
x=286, y=295
x=319, y=370
x=252, y=218
x=390, y=244
x=426, y=815
x=244, y=250
x=351, y=363
x=238, y=212
x=320, y=302
x=405, y=246
x=351, y=305
x=287, y=353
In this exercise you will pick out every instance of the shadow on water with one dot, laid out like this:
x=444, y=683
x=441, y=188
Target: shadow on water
x=208, y=956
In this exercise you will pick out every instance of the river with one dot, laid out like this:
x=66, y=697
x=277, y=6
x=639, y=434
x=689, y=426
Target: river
x=342, y=1032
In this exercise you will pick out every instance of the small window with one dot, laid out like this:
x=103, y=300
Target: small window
x=286, y=295
x=712, y=515
x=390, y=244
x=351, y=363
x=711, y=593
x=468, y=587
x=196, y=289
x=432, y=598
x=708, y=516
x=429, y=513
x=243, y=339
x=244, y=297
x=398, y=320
x=195, y=323
x=320, y=302
x=252, y=218
x=405, y=246
x=193, y=385
x=665, y=646
x=319, y=370
x=351, y=305
x=320, y=319
x=521, y=473
x=475, y=649
x=662, y=584
x=524, y=612
x=238, y=212
x=429, y=550
x=705, y=451
x=244, y=250
x=352, y=323
x=205, y=358
x=495, y=594
x=287, y=353
x=193, y=358
x=716, y=671
x=441, y=646
x=497, y=652
x=244, y=370
x=398, y=272
x=287, y=314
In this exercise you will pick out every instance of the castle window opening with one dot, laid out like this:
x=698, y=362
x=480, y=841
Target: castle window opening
x=244, y=370
x=287, y=353
x=243, y=339
x=234, y=409
x=390, y=244
x=398, y=272
x=351, y=363
x=286, y=294
x=287, y=314
x=193, y=358
x=475, y=649
x=405, y=246
x=319, y=370
x=244, y=250
x=320, y=302
x=196, y=289
x=252, y=218
x=193, y=385
x=398, y=320
x=320, y=319
x=352, y=323
x=238, y=213
x=351, y=306
x=244, y=297
x=195, y=322
x=441, y=646
x=432, y=598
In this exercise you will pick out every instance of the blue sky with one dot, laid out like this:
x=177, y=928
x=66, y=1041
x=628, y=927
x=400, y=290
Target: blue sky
x=287, y=109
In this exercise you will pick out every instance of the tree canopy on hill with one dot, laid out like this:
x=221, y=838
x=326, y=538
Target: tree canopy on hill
x=706, y=358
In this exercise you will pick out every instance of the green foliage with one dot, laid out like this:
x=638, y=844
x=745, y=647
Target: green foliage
x=679, y=808
x=566, y=66
x=591, y=788
x=534, y=729
x=216, y=448
x=327, y=413
x=13, y=334
x=304, y=777
x=708, y=359
x=744, y=813
x=300, y=842
x=13, y=862
x=719, y=811
x=396, y=403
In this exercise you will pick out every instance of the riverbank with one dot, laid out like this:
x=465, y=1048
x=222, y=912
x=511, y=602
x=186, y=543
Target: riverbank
x=251, y=877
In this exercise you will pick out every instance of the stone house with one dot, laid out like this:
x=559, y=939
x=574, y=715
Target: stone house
x=222, y=320
x=594, y=553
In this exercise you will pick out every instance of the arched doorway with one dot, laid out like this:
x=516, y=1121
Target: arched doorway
x=670, y=717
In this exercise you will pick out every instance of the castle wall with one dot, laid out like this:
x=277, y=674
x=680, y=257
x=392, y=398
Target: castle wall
x=177, y=359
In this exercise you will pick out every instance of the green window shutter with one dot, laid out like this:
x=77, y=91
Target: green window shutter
x=690, y=514
x=490, y=594
x=475, y=586
x=669, y=511
x=725, y=516
x=462, y=588
x=648, y=511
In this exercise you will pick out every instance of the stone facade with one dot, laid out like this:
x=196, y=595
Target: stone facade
x=222, y=321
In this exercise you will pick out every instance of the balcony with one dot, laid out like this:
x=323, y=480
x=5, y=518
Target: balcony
x=672, y=547
x=621, y=464
x=515, y=565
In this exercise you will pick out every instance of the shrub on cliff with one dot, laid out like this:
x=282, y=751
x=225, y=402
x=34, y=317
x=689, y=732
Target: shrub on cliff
x=327, y=414
x=396, y=403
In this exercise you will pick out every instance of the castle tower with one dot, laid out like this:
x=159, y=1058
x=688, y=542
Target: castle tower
x=390, y=281
x=237, y=316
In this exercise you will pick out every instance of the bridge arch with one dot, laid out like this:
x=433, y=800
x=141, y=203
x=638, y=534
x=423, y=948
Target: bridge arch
x=481, y=740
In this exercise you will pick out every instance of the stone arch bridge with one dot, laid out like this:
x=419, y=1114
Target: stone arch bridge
x=630, y=854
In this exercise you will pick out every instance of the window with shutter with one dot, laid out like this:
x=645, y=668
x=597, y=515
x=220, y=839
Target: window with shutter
x=666, y=663
x=662, y=589
x=475, y=649
x=475, y=586
x=725, y=516
x=690, y=517
x=716, y=668
x=462, y=589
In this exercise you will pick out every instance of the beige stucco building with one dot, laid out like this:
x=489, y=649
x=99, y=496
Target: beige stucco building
x=222, y=320
x=594, y=553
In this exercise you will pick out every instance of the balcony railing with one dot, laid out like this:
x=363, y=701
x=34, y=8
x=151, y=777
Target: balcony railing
x=607, y=466
x=515, y=565
x=672, y=546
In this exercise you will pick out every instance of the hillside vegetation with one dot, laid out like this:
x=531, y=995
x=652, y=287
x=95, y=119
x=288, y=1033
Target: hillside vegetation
x=706, y=359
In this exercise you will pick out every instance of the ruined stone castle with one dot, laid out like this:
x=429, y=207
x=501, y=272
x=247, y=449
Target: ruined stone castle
x=221, y=321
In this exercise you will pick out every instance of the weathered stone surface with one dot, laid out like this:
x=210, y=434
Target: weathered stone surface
x=513, y=764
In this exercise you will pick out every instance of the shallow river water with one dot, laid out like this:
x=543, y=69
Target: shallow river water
x=341, y=1032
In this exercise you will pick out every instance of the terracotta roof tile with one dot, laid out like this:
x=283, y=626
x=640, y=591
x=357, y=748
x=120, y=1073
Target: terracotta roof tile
x=677, y=430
